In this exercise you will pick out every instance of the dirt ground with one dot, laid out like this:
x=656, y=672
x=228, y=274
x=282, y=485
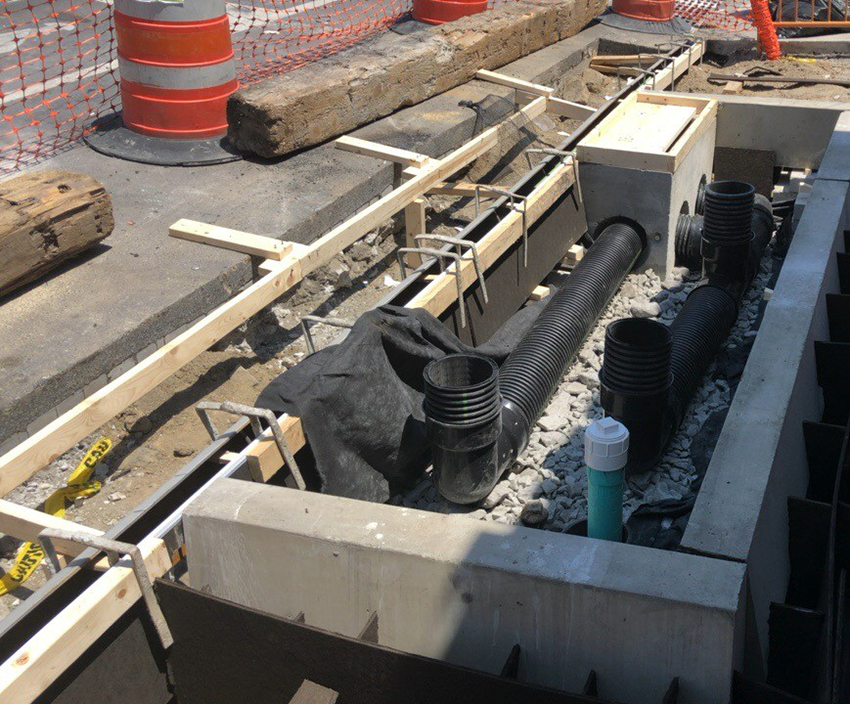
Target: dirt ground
x=158, y=435
x=697, y=79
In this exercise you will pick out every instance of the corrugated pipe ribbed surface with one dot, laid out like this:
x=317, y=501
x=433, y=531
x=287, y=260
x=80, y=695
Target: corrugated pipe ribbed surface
x=535, y=367
x=635, y=384
x=698, y=330
x=728, y=212
x=689, y=241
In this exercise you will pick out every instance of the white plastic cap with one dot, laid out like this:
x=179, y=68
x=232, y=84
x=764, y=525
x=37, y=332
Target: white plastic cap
x=606, y=445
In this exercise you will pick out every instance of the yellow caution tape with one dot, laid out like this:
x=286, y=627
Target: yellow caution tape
x=80, y=485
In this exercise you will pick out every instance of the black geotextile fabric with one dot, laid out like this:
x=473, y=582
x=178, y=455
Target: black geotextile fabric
x=360, y=402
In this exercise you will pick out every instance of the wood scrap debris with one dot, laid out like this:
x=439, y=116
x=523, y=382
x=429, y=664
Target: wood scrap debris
x=47, y=217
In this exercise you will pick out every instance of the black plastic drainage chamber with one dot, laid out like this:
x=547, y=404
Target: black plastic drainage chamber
x=734, y=237
x=463, y=419
x=635, y=382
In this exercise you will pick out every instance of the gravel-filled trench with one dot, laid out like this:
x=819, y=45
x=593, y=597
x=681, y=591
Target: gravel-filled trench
x=547, y=487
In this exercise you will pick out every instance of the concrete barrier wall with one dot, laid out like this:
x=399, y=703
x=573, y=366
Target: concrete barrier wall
x=760, y=458
x=466, y=591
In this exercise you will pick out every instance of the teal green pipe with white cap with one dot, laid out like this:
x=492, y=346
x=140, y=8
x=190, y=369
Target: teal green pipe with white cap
x=606, y=450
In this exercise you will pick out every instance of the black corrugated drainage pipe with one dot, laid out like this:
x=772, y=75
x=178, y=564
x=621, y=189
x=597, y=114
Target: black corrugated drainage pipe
x=705, y=319
x=465, y=467
x=688, y=243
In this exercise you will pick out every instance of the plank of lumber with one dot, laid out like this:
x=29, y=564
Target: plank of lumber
x=647, y=127
x=539, y=293
x=26, y=523
x=264, y=459
x=458, y=188
x=224, y=237
x=667, y=76
x=639, y=60
x=47, y=217
x=574, y=255
x=414, y=224
x=511, y=82
x=50, y=442
x=732, y=87
x=381, y=151
x=55, y=647
x=312, y=693
x=569, y=109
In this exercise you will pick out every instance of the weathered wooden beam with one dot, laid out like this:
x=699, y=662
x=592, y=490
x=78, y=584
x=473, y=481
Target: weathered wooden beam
x=47, y=217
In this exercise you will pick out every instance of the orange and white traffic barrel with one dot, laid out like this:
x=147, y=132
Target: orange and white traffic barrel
x=441, y=11
x=175, y=61
x=649, y=10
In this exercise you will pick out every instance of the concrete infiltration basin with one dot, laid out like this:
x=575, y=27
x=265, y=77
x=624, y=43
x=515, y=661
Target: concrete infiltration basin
x=468, y=590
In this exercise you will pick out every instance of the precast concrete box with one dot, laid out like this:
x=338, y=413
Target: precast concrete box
x=645, y=162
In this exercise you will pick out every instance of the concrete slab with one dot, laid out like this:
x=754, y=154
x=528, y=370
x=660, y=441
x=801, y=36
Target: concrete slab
x=98, y=313
x=836, y=162
x=466, y=591
x=760, y=458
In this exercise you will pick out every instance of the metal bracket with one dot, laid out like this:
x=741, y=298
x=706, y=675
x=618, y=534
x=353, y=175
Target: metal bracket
x=458, y=243
x=334, y=322
x=254, y=415
x=513, y=205
x=573, y=155
x=440, y=256
x=114, y=549
x=647, y=73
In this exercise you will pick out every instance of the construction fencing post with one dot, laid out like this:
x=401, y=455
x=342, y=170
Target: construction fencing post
x=175, y=61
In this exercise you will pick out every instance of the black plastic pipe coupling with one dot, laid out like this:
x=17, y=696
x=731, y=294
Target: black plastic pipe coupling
x=635, y=382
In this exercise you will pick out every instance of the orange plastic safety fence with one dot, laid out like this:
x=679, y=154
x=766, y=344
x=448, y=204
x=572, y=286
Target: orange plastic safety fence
x=729, y=15
x=58, y=58
x=57, y=72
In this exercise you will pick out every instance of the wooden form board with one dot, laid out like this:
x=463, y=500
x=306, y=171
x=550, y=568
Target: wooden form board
x=645, y=127
x=26, y=523
x=649, y=131
x=34, y=666
x=245, y=242
x=381, y=151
